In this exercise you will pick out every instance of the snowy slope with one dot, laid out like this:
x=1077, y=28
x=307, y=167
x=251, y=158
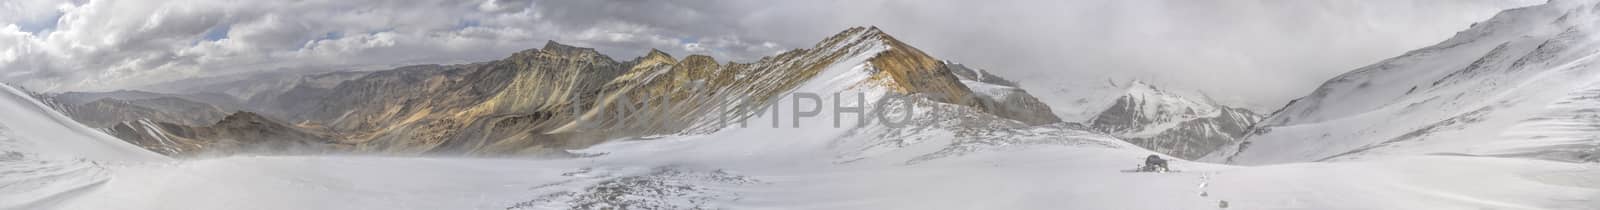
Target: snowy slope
x=46, y=157
x=1514, y=85
x=38, y=129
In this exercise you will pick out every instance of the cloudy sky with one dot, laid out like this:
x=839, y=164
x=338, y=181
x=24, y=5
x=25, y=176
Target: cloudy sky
x=1253, y=52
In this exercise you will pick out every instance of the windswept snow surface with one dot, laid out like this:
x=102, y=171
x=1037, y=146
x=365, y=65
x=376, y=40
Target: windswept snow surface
x=46, y=158
x=944, y=157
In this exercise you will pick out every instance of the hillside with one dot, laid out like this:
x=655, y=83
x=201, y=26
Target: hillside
x=1516, y=85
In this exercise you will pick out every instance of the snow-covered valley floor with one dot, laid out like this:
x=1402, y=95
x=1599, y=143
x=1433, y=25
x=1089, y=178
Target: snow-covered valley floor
x=1053, y=178
x=49, y=162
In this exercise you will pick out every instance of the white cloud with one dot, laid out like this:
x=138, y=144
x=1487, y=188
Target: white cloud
x=103, y=44
x=1261, y=52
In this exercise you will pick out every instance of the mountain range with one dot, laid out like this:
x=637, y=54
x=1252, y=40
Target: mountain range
x=535, y=102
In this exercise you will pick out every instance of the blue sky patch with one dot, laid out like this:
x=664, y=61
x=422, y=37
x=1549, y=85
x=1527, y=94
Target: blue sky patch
x=218, y=32
x=40, y=25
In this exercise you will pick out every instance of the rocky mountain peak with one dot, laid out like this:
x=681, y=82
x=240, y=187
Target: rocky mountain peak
x=699, y=60
x=657, y=56
x=839, y=37
x=556, y=50
x=872, y=31
x=906, y=69
x=912, y=71
x=243, y=118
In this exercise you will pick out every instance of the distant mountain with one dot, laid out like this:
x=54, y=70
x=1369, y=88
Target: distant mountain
x=212, y=98
x=272, y=96
x=545, y=101
x=108, y=112
x=1521, y=84
x=106, y=109
x=238, y=133
x=244, y=87
x=1171, y=123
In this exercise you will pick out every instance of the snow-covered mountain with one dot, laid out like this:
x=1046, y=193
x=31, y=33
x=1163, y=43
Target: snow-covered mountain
x=1522, y=84
x=1171, y=123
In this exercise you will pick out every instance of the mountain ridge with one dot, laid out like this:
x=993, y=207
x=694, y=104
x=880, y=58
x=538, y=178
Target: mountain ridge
x=543, y=101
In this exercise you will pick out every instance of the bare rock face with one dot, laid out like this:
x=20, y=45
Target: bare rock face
x=544, y=101
x=1172, y=124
